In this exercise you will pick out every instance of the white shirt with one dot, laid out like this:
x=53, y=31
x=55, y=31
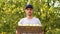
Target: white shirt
x=32, y=21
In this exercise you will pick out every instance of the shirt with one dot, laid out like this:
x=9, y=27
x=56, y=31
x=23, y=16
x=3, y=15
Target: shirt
x=32, y=21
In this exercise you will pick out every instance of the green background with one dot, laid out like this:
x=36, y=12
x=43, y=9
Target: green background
x=11, y=11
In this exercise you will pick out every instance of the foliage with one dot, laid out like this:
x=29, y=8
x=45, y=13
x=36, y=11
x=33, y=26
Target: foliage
x=11, y=11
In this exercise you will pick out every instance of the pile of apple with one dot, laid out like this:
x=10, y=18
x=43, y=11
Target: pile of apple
x=29, y=25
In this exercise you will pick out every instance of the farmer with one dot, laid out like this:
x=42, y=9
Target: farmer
x=29, y=19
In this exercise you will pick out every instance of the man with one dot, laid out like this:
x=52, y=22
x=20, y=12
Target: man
x=29, y=19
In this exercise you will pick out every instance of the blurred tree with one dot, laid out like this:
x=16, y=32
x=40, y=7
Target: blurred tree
x=11, y=11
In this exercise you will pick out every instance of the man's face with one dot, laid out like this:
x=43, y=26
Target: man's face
x=29, y=11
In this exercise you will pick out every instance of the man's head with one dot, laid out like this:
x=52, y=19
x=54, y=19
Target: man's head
x=29, y=10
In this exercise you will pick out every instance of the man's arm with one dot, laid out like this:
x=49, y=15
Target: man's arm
x=20, y=22
x=39, y=22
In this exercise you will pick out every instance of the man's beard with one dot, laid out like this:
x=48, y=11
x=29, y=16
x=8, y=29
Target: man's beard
x=30, y=15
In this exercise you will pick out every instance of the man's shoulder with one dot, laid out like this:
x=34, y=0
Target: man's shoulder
x=36, y=18
x=23, y=19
